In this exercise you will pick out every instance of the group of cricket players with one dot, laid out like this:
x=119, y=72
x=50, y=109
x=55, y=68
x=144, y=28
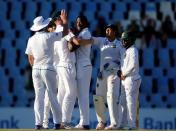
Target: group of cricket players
x=61, y=74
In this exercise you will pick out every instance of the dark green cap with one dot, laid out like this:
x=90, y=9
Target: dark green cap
x=124, y=36
x=128, y=36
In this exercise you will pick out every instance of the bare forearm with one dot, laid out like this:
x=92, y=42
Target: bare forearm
x=86, y=41
x=78, y=41
x=31, y=60
x=65, y=29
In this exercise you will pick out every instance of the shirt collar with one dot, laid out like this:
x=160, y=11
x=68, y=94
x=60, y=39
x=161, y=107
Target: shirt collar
x=107, y=41
x=84, y=29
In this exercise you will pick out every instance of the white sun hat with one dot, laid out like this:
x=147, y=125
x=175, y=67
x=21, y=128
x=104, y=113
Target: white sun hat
x=39, y=23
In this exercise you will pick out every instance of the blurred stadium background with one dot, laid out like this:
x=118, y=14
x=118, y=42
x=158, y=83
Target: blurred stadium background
x=154, y=22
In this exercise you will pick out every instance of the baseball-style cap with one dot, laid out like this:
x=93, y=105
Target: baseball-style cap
x=127, y=35
x=112, y=26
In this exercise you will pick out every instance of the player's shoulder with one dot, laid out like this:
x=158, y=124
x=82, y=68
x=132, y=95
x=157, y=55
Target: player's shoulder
x=118, y=43
x=133, y=49
x=101, y=39
x=85, y=31
x=31, y=38
x=38, y=35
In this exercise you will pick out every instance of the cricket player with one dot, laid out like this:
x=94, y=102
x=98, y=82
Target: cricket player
x=40, y=55
x=108, y=83
x=55, y=26
x=47, y=105
x=131, y=80
x=67, y=76
x=84, y=71
x=66, y=71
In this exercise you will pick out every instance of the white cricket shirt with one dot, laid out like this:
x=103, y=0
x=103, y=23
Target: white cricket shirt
x=130, y=63
x=83, y=52
x=41, y=46
x=110, y=52
x=65, y=56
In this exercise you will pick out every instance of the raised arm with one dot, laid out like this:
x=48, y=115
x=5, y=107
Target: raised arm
x=64, y=19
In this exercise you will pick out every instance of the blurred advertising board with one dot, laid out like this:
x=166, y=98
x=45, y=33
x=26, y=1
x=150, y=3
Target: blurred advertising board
x=148, y=118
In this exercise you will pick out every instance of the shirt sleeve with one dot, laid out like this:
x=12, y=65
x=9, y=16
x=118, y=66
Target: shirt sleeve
x=28, y=48
x=85, y=35
x=98, y=41
x=59, y=28
x=121, y=50
x=69, y=36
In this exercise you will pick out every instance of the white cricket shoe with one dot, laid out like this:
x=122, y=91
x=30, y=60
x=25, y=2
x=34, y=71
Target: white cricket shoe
x=67, y=126
x=82, y=127
x=45, y=125
x=111, y=127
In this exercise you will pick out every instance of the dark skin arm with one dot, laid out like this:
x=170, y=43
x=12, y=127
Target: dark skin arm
x=78, y=41
x=120, y=75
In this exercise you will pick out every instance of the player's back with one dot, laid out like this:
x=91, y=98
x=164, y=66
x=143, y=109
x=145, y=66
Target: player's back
x=42, y=46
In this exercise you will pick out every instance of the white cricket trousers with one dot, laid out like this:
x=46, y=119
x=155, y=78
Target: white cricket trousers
x=45, y=79
x=84, y=73
x=47, y=108
x=129, y=98
x=109, y=87
x=67, y=91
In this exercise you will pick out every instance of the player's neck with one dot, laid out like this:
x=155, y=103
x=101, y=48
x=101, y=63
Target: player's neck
x=111, y=39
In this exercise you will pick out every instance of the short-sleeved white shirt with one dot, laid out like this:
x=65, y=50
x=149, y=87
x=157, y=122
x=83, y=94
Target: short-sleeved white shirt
x=61, y=52
x=110, y=51
x=83, y=52
x=130, y=63
x=41, y=46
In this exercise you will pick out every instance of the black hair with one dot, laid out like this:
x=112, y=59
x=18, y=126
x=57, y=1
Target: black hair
x=45, y=29
x=51, y=24
x=83, y=20
x=56, y=15
x=112, y=26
